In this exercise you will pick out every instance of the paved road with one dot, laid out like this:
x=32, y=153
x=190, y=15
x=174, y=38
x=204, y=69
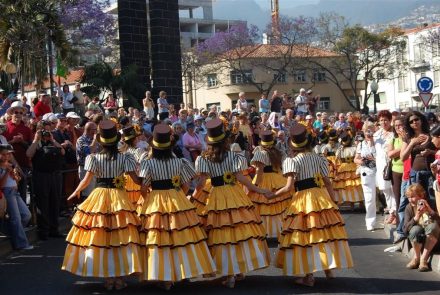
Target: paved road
x=375, y=272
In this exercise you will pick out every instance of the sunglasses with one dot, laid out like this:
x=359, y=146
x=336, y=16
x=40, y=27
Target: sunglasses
x=18, y=113
x=414, y=120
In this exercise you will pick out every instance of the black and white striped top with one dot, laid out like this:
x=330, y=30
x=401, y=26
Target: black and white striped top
x=305, y=165
x=155, y=169
x=233, y=163
x=262, y=156
x=104, y=168
x=136, y=152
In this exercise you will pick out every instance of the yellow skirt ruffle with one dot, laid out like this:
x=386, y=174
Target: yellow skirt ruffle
x=104, y=239
x=173, y=239
x=133, y=190
x=271, y=211
x=313, y=237
x=331, y=166
x=199, y=200
x=236, y=237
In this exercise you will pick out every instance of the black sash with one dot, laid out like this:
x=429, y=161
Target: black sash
x=217, y=181
x=268, y=169
x=105, y=183
x=329, y=154
x=305, y=184
x=162, y=184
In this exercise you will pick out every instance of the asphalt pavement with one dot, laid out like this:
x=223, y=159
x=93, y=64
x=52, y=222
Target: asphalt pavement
x=376, y=272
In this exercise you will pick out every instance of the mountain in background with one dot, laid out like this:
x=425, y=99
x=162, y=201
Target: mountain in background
x=364, y=12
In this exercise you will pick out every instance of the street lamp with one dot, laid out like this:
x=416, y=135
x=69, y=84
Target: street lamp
x=374, y=87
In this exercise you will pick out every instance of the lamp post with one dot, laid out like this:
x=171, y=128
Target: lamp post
x=374, y=87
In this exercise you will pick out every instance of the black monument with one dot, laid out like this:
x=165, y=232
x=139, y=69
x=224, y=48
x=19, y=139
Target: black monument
x=155, y=46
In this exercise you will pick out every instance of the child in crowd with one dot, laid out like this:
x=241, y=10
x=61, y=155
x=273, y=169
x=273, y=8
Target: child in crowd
x=421, y=227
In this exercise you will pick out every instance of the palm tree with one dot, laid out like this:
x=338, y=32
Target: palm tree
x=26, y=27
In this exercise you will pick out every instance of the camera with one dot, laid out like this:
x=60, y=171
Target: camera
x=420, y=203
x=45, y=133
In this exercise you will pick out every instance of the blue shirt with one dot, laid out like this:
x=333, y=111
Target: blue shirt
x=265, y=105
x=83, y=149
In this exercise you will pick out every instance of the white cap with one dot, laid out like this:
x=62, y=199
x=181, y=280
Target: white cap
x=318, y=114
x=16, y=105
x=309, y=117
x=73, y=115
x=46, y=116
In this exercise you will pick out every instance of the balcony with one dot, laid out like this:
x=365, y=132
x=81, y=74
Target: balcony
x=419, y=64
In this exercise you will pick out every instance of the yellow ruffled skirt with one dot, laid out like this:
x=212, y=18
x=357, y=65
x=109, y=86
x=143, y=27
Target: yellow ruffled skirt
x=173, y=239
x=271, y=211
x=347, y=184
x=236, y=236
x=331, y=160
x=313, y=237
x=104, y=239
x=133, y=190
x=199, y=200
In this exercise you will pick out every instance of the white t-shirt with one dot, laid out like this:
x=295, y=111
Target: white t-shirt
x=301, y=99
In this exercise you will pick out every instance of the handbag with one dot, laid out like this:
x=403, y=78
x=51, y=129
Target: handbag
x=387, y=171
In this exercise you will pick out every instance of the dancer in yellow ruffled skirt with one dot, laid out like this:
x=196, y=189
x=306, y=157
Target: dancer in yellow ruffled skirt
x=313, y=237
x=347, y=183
x=267, y=160
x=329, y=152
x=129, y=138
x=172, y=235
x=236, y=237
x=104, y=239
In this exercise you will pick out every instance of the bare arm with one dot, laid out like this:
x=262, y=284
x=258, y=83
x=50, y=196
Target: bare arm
x=244, y=180
x=406, y=149
x=259, y=172
x=290, y=184
x=329, y=187
x=200, y=184
x=135, y=177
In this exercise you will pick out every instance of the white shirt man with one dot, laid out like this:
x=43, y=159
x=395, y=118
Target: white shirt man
x=301, y=102
x=242, y=105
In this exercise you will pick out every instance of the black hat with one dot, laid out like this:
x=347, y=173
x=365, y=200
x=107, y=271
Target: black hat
x=346, y=138
x=266, y=138
x=107, y=133
x=299, y=137
x=161, y=139
x=333, y=134
x=129, y=133
x=215, y=131
x=323, y=137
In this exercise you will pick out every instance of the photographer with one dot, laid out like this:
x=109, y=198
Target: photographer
x=47, y=156
x=366, y=158
x=421, y=226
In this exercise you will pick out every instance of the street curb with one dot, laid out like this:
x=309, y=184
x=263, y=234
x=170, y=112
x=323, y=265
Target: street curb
x=32, y=235
x=391, y=234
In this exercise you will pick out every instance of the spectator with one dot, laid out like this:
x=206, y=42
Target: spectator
x=182, y=120
x=276, y=103
x=86, y=145
x=301, y=102
x=67, y=98
x=7, y=101
x=253, y=113
x=110, y=105
x=179, y=148
x=273, y=121
x=19, y=214
x=47, y=155
x=94, y=105
x=163, y=106
x=19, y=136
x=263, y=104
x=341, y=123
x=3, y=139
x=435, y=166
x=79, y=102
x=317, y=124
x=43, y=105
x=200, y=130
x=148, y=104
x=24, y=102
x=242, y=104
x=419, y=147
x=312, y=102
x=421, y=226
x=191, y=142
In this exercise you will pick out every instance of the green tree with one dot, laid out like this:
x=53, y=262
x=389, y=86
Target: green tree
x=362, y=55
x=101, y=77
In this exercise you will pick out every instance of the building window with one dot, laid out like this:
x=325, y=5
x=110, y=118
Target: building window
x=212, y=80
x=299, y=75
x=435, y=47
x=241, y=77
x=402, y=83
x=324, y=104
x=419, y=52
x=318, y=76
x=437, y=78
x=280, y=77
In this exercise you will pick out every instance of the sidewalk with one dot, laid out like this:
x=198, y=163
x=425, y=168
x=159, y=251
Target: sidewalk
x=32, y=235
x=405, y=247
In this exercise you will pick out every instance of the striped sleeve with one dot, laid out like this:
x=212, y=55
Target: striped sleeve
x=91, y=164
x=202, y=165
x=239, y=163
x=289, y=166
x=259, y=157
x=324, y=167
x=145, y=173
x=187, y=171
x=129, y=163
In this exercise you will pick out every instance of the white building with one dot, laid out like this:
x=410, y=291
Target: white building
x=423, y=58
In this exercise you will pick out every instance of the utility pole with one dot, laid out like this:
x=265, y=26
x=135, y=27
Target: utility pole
x=275, y=11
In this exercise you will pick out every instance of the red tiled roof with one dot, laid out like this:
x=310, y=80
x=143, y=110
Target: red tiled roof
x=420, y=29
x=73, y=77
x=274, y=50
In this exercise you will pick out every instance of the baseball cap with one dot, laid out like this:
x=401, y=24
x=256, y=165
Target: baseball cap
x=73, y=115
x=46, y=116
x=318, y=114
x=60, y=116
x=309, y=117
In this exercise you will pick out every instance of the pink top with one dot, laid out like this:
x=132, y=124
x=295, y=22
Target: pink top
x=437, y=161
x=190, y=140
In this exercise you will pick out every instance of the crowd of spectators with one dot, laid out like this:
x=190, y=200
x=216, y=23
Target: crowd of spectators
x=44, y=145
